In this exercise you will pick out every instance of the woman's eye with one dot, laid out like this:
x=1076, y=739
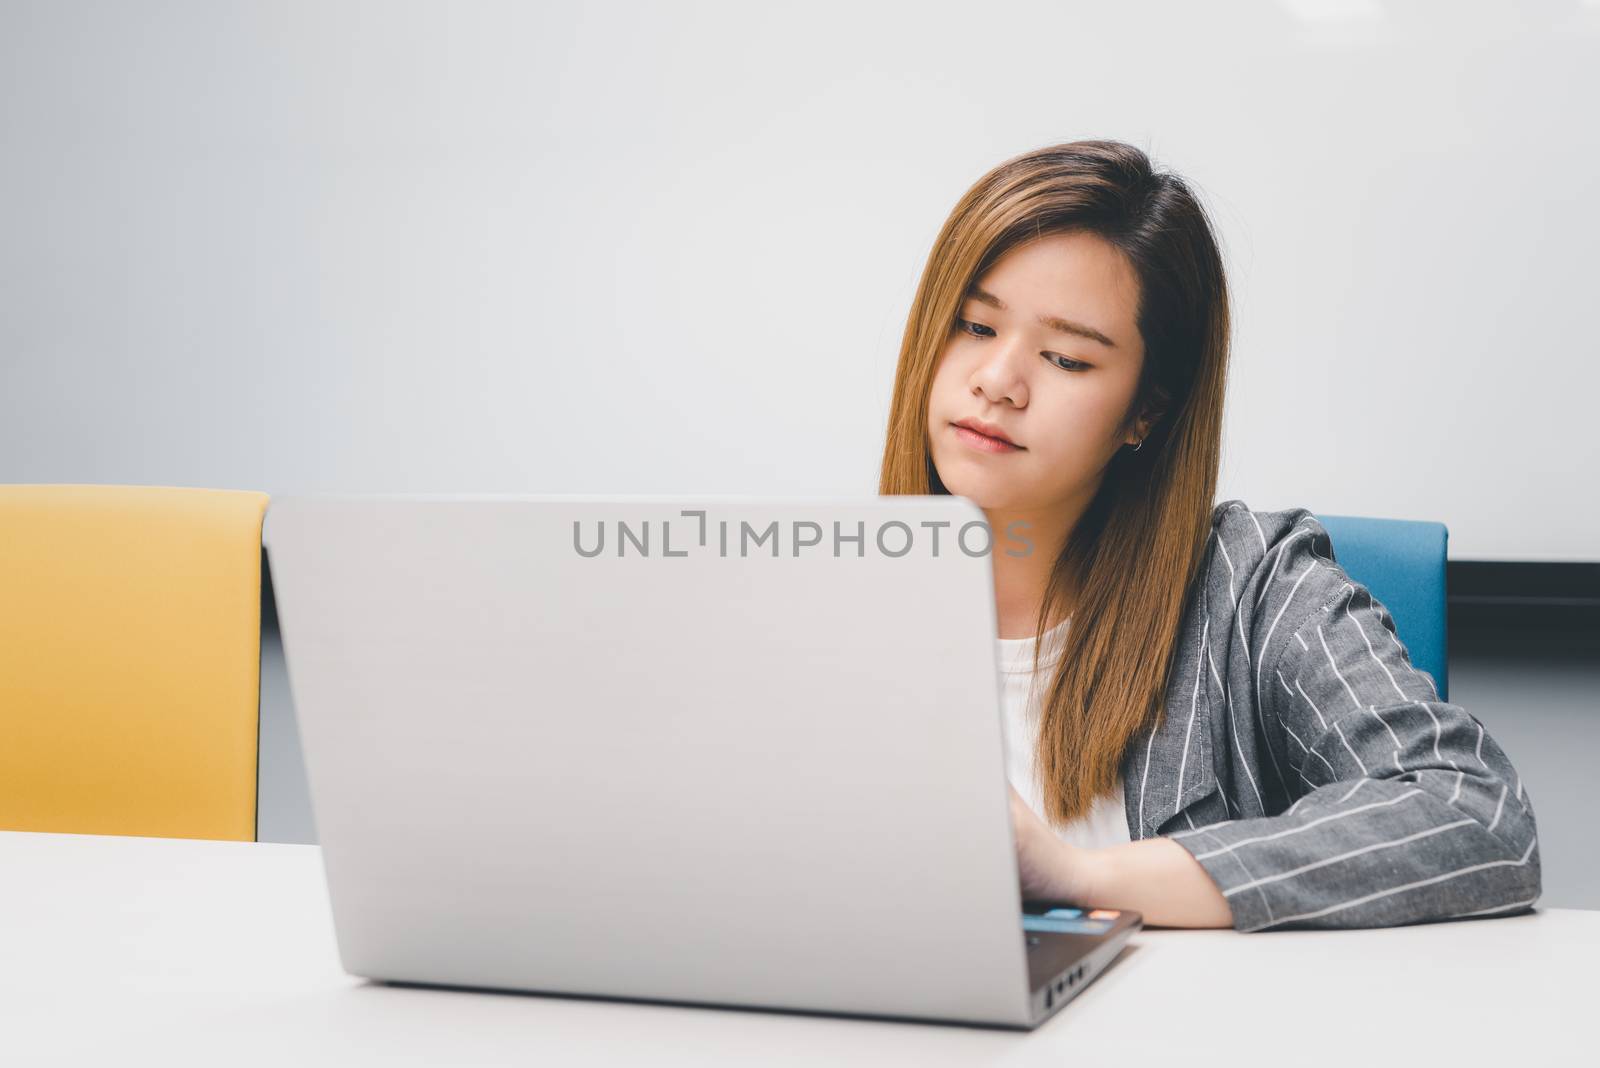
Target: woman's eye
x=1066, y=363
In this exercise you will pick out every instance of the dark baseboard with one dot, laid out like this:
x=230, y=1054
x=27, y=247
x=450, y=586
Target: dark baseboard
x=1553, y=606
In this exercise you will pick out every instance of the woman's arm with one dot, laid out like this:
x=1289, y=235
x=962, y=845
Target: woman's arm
x=1158, y=878
x=1402, y=808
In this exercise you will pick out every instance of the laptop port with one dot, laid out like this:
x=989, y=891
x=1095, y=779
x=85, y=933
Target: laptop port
x=1049, y=997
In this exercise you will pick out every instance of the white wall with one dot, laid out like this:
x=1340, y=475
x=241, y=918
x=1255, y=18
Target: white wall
x=639, y=248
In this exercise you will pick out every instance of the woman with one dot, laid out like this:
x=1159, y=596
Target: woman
x=1220, y=726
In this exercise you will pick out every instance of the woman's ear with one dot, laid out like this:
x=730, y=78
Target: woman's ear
x=1152, y=413
x=1144, y=424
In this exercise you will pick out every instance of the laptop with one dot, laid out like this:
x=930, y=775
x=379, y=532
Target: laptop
x=720, y=751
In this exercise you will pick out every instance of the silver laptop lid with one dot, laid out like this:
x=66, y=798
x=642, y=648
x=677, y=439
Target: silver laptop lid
x=719, y=749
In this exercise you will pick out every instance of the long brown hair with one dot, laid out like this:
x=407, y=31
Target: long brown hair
x=1136, y=553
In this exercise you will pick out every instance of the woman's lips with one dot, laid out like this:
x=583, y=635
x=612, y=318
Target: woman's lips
x=983, y=442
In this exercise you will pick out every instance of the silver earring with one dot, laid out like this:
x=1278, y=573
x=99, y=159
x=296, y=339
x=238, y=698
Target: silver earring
x=1139, y=446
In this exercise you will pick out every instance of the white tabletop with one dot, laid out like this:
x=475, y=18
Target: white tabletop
x=223, y=953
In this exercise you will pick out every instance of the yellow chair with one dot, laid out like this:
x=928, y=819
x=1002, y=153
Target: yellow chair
x=130, y=660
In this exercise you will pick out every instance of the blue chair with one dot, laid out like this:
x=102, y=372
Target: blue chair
x=1402, y=562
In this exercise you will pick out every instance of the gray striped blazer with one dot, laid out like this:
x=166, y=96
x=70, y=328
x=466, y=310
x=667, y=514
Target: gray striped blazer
x=1307, y=765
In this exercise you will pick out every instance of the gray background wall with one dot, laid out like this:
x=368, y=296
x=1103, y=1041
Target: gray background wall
x=502, y=247
x=463, y=247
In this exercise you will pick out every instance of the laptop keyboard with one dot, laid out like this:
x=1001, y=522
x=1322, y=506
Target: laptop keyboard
x=1066, y=921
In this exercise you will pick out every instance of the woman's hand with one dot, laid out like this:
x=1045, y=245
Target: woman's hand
x=1049, y=868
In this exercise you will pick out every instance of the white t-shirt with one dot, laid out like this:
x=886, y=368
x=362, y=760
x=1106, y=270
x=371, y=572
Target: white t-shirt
x=1106, y=822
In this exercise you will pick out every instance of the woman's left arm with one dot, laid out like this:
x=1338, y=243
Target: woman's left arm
x=1404, y=808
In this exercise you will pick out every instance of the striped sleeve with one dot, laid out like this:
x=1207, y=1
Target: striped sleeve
x=1405, y=809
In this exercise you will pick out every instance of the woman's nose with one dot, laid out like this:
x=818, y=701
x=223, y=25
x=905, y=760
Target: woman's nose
x=1001, y=373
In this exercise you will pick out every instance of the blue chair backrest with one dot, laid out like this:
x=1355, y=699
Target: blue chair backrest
x=1402, y=563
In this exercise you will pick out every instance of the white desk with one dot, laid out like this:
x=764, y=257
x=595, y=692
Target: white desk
x=126, y=949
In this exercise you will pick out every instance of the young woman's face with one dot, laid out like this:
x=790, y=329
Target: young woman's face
x=1047, y=351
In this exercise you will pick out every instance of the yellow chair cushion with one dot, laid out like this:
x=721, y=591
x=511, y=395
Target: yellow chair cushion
x=129, y=659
